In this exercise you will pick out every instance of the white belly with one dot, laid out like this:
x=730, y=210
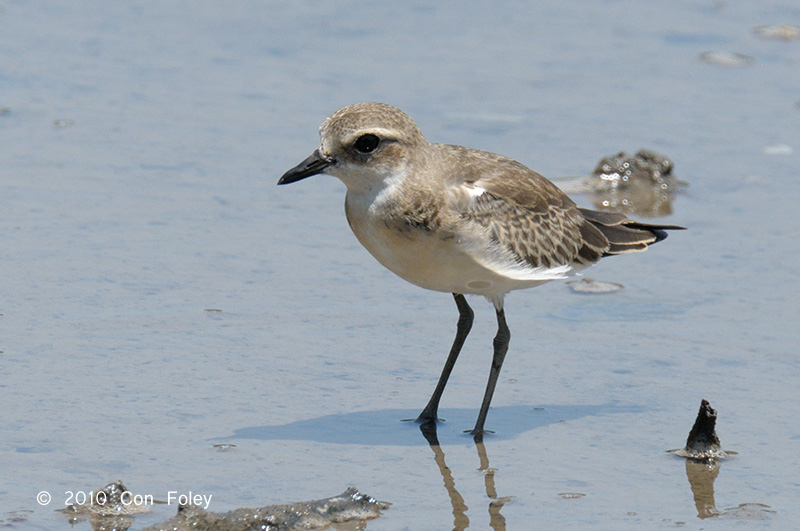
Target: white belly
x=435, y=261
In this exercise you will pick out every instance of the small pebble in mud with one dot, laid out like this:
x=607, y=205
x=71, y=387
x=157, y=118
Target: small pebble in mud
x=571, y=495
x=592, y=286
x=729, y=59
x=703, y=443
x=784, y=32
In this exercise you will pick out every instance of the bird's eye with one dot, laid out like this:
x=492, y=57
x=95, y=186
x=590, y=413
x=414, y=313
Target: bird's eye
x=367, y=143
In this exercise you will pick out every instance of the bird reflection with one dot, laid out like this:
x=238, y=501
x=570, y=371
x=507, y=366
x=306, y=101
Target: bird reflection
x=460, y=519
x=496, y=520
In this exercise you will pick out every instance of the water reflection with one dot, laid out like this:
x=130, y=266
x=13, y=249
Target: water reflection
x=496, y=520
x=460, y=519
x=701, y=475
x=701, y=478
x=703, y=453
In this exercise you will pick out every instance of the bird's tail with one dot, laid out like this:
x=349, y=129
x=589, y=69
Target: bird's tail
x=625, y=235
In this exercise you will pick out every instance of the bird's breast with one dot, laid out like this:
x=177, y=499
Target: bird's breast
x=426, y=248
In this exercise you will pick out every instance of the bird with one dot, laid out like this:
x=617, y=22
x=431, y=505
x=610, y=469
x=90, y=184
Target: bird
x=458, y=220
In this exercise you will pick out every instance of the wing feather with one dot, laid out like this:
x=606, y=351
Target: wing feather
x=533, y=224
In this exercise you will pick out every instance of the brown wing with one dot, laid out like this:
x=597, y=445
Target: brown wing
x=530, y=216
x=542, y=239
x=539, y=223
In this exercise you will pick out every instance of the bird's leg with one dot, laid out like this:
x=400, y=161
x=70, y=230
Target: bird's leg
x=465, y=316
x=500, y=348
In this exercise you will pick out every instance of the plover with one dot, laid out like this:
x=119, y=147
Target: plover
x=453, y=219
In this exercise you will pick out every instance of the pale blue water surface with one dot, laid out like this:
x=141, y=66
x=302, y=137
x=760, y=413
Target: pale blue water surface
x=140, y=144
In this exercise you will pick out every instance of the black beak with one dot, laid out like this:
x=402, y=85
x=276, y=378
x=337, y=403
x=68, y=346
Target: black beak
x=311, y=166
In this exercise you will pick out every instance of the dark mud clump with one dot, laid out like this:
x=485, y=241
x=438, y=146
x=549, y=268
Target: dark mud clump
x=350, y=505
x=703, y=443
x=643, y=184
x=114, y=507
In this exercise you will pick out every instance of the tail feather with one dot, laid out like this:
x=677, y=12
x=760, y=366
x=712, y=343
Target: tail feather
x=625, y=235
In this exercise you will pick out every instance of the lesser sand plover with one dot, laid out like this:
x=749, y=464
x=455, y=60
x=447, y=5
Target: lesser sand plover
x=459, y=220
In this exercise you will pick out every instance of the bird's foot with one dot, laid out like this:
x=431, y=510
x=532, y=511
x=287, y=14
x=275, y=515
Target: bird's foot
x=477, y=433
x=428, y=415
x=425, y=419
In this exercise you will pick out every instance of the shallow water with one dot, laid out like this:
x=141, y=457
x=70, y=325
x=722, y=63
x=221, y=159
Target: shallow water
x=140, y=150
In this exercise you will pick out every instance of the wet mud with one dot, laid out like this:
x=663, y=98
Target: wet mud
x=115, y=507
